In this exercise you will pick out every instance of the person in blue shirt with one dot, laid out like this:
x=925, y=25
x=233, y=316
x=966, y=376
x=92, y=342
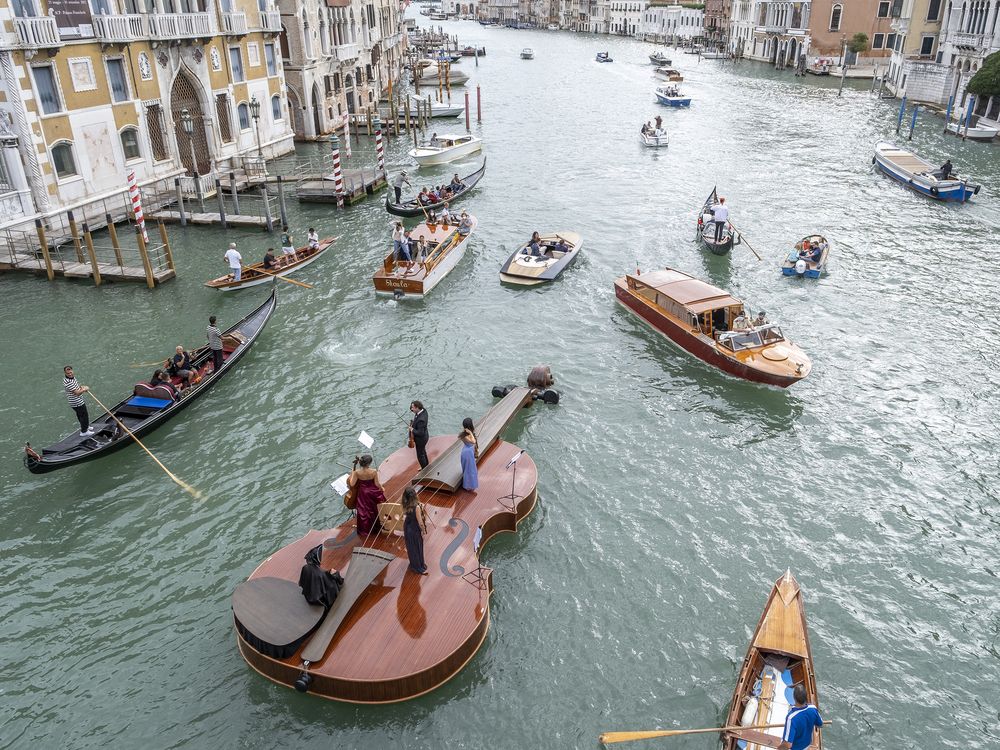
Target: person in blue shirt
x=802, y=719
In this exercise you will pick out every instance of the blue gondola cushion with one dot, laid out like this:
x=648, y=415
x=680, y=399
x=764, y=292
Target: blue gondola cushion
x=152, y=403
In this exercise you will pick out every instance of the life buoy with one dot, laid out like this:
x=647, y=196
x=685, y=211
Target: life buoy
x=934, y=191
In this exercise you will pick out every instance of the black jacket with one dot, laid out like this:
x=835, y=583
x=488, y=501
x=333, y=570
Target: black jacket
x=419, y=424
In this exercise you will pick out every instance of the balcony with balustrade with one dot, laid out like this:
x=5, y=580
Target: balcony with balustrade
x=166, y=26
x=120, y=29
x=36, y=32
x=345, y=52
x=966, y=40
x=270, y=20
x=234, y=24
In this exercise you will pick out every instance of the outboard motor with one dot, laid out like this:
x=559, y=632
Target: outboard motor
x=800, y=266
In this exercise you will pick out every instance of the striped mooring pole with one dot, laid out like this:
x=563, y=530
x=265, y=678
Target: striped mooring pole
x=379, y=148
x=133, y=194
x=338, y=177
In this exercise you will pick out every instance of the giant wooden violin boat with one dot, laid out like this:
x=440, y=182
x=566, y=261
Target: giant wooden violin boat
x=392, y=634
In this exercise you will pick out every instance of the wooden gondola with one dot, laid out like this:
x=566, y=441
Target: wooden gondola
x=706, y=229
x=254, y=275
x=146, y=408
x=558, y=251
x=779, y=657
x=412, y=208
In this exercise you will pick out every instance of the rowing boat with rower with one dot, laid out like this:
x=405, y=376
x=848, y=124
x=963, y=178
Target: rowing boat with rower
x=256, y=274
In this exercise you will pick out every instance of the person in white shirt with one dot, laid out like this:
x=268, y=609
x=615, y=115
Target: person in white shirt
x=740, y=322
x=445, y=215
x=312, y=239
x=235, y=261
x=720, y=215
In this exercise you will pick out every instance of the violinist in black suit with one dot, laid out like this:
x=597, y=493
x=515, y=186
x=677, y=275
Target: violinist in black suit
x=418, y=432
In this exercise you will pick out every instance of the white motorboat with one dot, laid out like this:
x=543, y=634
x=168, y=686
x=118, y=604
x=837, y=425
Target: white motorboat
x=671, y=96
x=654, y=139
x=553, y=27
x=977, y=133
x=440, y=109
x=527, y=54
x=658, y=58
x=442, y=149
x=429, y=76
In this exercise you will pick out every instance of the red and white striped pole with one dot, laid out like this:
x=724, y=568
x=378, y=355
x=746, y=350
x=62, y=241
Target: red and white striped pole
x=379, y=148
x=338, y=177
x=133, y=194
x=347, y=136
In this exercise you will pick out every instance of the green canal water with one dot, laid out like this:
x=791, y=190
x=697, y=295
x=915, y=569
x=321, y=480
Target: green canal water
x=671, y=497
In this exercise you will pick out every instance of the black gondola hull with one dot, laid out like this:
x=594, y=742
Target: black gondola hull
x=411, y=210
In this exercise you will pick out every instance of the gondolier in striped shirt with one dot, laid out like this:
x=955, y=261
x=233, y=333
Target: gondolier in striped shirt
x=803, y=718
x=215, y=344
x=74, y=394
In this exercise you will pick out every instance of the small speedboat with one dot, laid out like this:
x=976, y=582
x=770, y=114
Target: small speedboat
x=820, y=66
x=920, y=175
x=658, y=58
x=808, y=259
x=603, y=57
x=432, y=73
x=668, y=74
x=556, y=253
x=671, y=96
x=442, y=149
x=977, y=133
x=654, y=139
x=440, y=109
x=553, y=27
x=527, y=54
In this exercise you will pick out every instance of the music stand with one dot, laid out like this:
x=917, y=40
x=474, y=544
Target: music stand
x=476, y=577
x=509, y=501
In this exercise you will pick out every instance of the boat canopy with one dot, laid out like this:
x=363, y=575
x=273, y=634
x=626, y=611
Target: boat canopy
x=693, y=295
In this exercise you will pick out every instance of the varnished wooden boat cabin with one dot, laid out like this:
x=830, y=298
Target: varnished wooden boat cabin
x=779, y=658
x=700, y=318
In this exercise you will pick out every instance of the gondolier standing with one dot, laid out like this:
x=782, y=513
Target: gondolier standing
x=720, y=214
x=214, y=343
x=397, y=185
x=418, y=430
x=74, y=394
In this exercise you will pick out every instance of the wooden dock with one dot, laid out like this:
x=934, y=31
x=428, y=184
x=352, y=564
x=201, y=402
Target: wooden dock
x=174, y=217
x=358, y=184
x=108, y=271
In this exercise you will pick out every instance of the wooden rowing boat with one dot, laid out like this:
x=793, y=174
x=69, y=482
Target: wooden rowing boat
x=146, y=408
x=779, y=657
x=254, y=275
x=559, y=251
x=415, y=279
x=706, y=228
x=797, y=264
x=701, y=319
x=412, y=208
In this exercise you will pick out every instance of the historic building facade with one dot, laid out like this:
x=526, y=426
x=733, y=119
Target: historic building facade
x=667, y=21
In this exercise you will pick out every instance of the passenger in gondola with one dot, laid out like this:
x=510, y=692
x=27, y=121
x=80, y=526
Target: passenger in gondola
x=181, y=365
x=434, y=196
x=422, y=198
x=270, y=262
x=160, y=378
x=369, y=494
x=312, y=239
x=319, y=586
x=457, y=184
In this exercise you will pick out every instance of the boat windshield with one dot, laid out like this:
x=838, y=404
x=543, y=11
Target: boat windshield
x=738, y=341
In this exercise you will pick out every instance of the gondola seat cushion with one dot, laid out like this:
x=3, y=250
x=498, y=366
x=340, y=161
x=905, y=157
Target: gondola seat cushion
x=150, y=403
x=159, y=392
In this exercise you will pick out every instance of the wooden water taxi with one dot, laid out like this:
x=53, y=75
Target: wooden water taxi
x=557, y=252
x=920, y=175
x=415, y=279
x=709, y=323
x=255, y=274
x=412, y=208
x=658, y=58
x=392, y=634
x=669, y=74
x=670, y=96
x=809, y=257
x=779, y=657
x=442, y=149
x=148, y=407
x=706, y=228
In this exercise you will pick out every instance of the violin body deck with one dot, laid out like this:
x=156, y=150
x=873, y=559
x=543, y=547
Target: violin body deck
x=407, y=633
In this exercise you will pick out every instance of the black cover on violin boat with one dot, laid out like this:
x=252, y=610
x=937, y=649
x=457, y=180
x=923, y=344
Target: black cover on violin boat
x=144, y=412
x=412, y=208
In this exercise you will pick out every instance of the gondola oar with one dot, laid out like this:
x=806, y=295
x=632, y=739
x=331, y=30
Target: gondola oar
x=148, y=364
x=609, y=738
x=282, y=278
x=743, y=238
x=183, y=485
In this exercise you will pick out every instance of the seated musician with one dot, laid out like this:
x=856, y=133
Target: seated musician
x=319, y=586
x=161, y=378
x=181, y=365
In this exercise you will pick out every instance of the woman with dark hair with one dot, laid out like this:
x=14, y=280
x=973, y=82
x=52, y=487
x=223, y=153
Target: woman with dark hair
x=414, y=528
x=369, y=494
x=470, y=454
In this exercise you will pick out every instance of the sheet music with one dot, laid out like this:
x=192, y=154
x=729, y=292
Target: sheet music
x=366, y=440
x=477, y=539
x=340, y=485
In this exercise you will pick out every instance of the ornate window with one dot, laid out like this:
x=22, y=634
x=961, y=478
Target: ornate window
x=63, y=161
x=154, y=124
x=48, y=91
x=130, y=143
x=243, y=113
x=835, y=14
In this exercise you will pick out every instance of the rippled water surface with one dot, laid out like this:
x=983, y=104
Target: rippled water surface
x=671, y=497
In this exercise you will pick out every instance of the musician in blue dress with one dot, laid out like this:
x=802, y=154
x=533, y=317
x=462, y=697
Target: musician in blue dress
x=470, y=454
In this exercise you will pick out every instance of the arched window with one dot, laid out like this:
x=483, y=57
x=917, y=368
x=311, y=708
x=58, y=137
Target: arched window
x=63, y=161
x=276, y=107
x=243, y=112
x=130, y=143
x=835, y=14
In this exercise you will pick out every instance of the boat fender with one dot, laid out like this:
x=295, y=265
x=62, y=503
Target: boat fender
x=499, y=391
x=934, y=190
x=304, y=681
x=800, y=266
x=749, y=713
x=873, y=160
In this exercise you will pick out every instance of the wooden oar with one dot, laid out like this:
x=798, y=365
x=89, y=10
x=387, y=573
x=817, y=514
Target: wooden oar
x=744, y=239
x=609, y=738
x=268, y=273
x=149, y=364
x=183, y=485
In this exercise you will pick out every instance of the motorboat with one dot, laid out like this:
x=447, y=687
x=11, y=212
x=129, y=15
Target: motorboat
x=668, y=74
x=440, y=109
x=658, y=58
x=670, y=95
x=655, y=139
x=415, y=278
x=808, y=259
x=920, y=175
x=710, y=324
x=529, y=267
x=553, y=27
x=473, y=51
x=441, y=149
x=604, y=57
x=432, y=73
x=527, y=54
x=820, y=66
x=978, y=133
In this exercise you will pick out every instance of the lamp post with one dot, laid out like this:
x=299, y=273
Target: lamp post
x=255, y=114
x=187, y=125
